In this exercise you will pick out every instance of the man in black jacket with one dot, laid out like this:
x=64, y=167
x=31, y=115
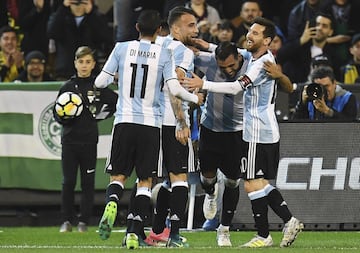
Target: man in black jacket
x=295, y=56
x=325, y=100
x=74, y=24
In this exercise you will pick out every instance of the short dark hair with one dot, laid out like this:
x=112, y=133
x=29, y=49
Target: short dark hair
x=148, y=22
x=226, y=24
x=252, y=1
x=176, y=13
x=328, y=16
x=322, y=72
x=6, y=29
x=225, y=49
x=269, y=27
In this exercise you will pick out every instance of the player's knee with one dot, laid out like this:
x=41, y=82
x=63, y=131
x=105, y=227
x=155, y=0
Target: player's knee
x=207, y=181
x=231, y=183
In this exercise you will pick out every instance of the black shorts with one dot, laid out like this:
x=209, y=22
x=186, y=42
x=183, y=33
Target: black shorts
x=174, y=154
x=134, y=146
x=260, y=160
x=220, y=150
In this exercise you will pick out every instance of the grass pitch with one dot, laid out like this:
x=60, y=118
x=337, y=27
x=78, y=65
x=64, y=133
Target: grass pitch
x=48, y=239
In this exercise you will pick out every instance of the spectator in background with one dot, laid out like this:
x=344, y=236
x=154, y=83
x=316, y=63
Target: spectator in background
x=319, y=61
x=350, y=72
x=124, y=20
x=346, y=23
x=277, y=42
x=303, y=12
x=296, y=55
x=126, y=13
x=11, y=58
x=228, y=9
x=35, y=66
x=77, y=23
x=278, y=11
x=33, y=18
x=204, y=11
x=250, y=9
x=206, y=16
x=9, y=13
x=325, y=100
x=225, y=32
x=170, y=4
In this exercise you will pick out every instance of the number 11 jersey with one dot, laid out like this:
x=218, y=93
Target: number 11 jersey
x=142, y=67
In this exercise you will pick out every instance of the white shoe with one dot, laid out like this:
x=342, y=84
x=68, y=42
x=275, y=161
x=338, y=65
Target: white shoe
x=65, y=227
x=259, y=242
x=210, y=206
x=291, y=229
x=223, y=237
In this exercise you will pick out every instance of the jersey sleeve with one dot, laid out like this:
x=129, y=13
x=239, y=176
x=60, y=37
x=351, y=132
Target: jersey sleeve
x=169, y=67
x=112, y=63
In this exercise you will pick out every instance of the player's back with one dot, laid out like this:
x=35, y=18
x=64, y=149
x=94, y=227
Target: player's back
x=142, y=67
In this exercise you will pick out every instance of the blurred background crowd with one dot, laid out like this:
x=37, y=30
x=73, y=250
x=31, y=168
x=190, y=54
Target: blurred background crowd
x=38, y=38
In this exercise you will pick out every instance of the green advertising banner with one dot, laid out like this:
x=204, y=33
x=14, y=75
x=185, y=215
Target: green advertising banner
x=30, y=147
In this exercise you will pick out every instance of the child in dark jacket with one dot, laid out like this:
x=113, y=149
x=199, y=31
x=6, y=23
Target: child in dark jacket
x=79, y=140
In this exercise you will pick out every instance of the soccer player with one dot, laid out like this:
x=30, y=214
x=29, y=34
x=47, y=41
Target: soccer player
x=142, y=66
x=261, y=134
x=221, y=134
x=175, y=154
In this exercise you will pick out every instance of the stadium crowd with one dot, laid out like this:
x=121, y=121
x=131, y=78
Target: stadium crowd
x=57, y=28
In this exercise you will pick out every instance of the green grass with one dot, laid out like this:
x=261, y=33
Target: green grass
x=48, y=239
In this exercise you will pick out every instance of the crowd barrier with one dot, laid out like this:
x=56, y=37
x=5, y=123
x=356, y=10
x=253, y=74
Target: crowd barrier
x=319, y=170
x=318, y=175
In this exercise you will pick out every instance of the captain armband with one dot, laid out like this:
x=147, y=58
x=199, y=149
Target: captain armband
x=244, y=81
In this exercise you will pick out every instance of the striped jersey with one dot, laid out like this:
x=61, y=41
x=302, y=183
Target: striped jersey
x=221, y=112
x=260, y=124
x=142, y=68
x=184, y=58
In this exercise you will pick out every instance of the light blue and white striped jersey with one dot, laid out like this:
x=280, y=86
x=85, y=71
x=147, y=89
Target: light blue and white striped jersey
x=260, y=124
x=142, y=68
x=184, y=58
x=221, y=112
